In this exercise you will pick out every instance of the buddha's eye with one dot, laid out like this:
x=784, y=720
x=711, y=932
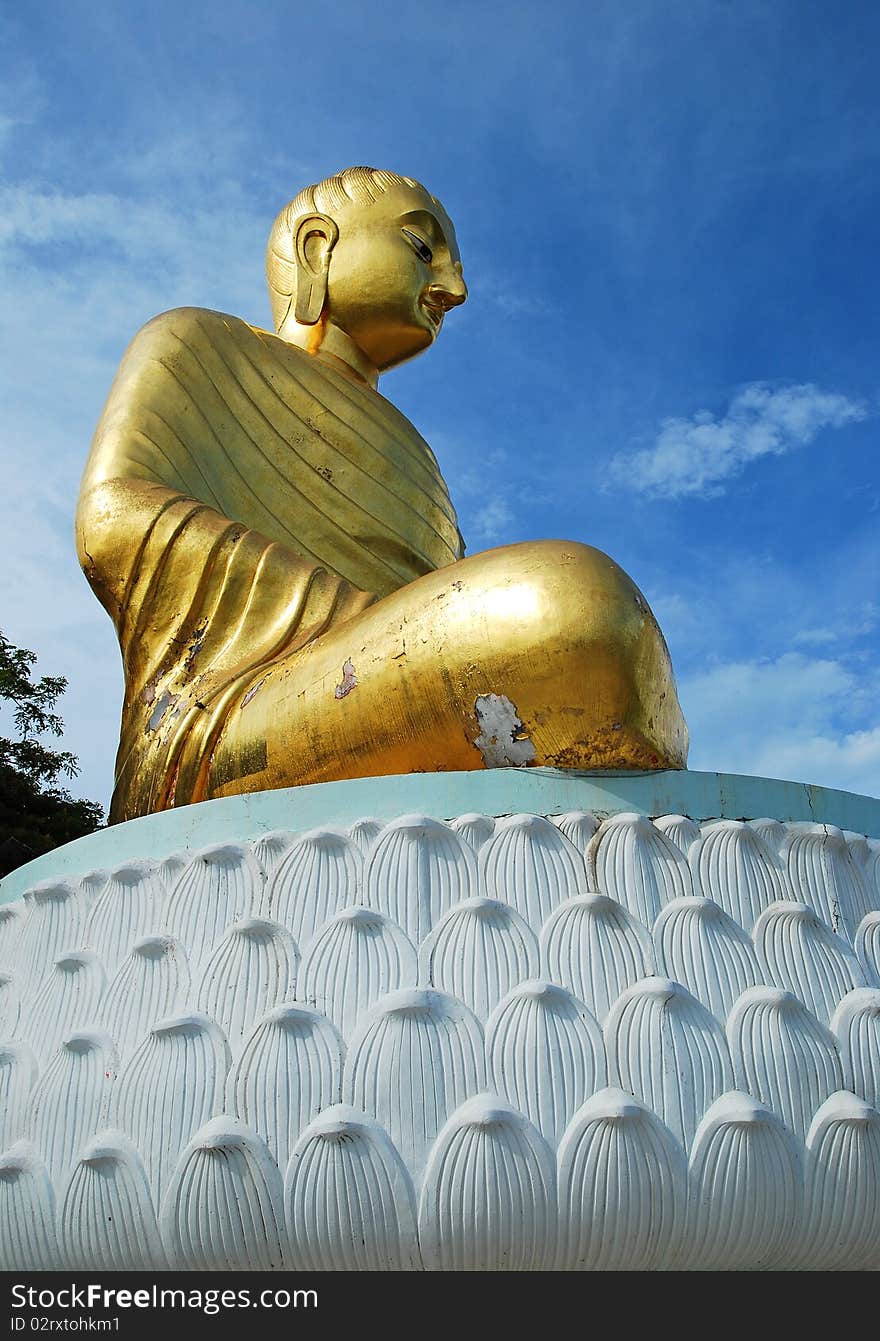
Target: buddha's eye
x=421, y=248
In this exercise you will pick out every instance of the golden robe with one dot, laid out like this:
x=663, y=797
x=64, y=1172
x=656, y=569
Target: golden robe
x=241, y=497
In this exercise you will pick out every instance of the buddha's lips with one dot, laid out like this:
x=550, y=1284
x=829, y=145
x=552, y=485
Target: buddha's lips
x=435, y=311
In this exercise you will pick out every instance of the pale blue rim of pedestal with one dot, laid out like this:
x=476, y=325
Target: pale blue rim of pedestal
x=499, y=791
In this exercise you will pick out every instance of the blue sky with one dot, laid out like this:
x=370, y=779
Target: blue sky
x=667, y=214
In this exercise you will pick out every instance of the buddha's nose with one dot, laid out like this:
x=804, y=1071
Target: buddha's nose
x=451, y=290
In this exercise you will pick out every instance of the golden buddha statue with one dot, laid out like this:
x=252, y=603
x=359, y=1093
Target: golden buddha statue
x=279, y=554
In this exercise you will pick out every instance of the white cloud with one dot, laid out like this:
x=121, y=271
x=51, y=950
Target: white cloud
x=490, y=522
x=850, y=762
x=516, y=303
x=808, y=720
x=29, y=214
x=484, y=490
x=818, y=637
x=847, y=622
x=695, y=457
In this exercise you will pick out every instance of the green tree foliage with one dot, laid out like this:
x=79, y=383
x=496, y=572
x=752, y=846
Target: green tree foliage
x=37, y=812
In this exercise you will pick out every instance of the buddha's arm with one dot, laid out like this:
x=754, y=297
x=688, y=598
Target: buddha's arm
x=201, y=604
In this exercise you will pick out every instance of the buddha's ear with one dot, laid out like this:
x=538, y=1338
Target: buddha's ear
x=313, y=242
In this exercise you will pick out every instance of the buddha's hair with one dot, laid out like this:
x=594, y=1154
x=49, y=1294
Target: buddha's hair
x=353, y=186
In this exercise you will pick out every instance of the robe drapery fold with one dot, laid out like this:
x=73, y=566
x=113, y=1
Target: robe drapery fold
x=241, y=498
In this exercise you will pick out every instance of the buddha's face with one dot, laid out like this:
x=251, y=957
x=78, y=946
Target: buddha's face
x=394, y=274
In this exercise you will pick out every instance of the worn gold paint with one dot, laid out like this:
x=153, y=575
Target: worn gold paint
x=280, y=556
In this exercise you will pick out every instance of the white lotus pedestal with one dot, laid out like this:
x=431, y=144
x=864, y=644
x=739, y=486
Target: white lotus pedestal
x=518, y=1019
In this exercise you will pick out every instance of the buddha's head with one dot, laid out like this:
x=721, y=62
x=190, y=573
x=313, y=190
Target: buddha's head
x=370, y=254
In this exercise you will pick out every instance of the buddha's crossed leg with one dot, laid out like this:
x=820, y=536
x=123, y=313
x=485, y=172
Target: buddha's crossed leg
x=542, y=653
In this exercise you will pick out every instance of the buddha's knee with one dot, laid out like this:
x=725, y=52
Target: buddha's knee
x=589, y=671
x=569, y=596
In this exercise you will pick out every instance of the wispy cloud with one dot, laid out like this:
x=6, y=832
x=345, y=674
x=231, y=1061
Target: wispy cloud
x=809, y=719
x=848, y=626
x=490, y=522
x=486, y=492
x=696, y=457
x=511, y=301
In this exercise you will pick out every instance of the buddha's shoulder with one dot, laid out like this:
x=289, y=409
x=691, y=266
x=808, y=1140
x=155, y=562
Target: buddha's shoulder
x=191, y=323
x=190, y=327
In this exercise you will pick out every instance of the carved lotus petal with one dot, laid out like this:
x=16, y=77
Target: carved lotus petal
x=698, y=945
x=734, y=867
x=578, y=827
x=530, y=864
x=477, y=952
x=128, y=908
x=356, y=958
x=418, y=869
x=802, y=955
x=488, y=1201
x=54, y=919
x=363, y=833
x=544, y=1054
x=106, y=1219
x=27, y=1211
x=252, y=969
x=596, y=949
x=18, y=1075
x=318, y=876
x=638, y=866
x=414, y=1058
x=782, y=1055
x=664, y=1047
x=622, y=1187
x=270, y=847
x=12, y=919
x=69, y=1102
x=67, y=1000
x=224, y=1209
x=349, y=1199
x=842, y=1208
x=867, y=947
x=220, y=885
x=680, y=830
x=151, y=984
x=746, y=1180
x=824, y=875
x=289, y=1071
x=474, y=829
x=856, y=1026
x=173, y=1083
